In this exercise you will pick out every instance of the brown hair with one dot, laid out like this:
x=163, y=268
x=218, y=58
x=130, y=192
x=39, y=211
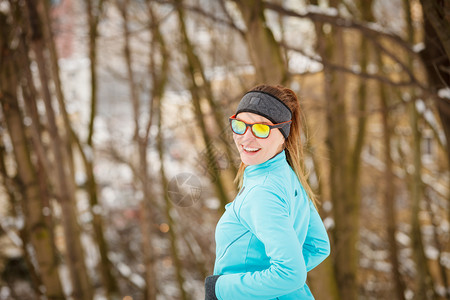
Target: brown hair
x=293, y=143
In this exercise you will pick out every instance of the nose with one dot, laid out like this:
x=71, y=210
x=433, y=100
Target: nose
x=248, y=135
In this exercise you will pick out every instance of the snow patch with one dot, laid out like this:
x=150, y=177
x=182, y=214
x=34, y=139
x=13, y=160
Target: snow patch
x=212, y=203
x=328, y=223
x=137, y=280
x=329, y=11
x=356, y=69
x=5, y=292
x=431, y=253
x=409, y=294
x=402, y=238
x=80, y=178
x=382, y=266
x=406, y=97
x=418, y=47
x=444, y=93
x=372, y=68
x=299, y=63
x=439, y=187
x=445, y=259
x=5, y=8
x=440, y=290
x=420, y=106
x=327, y=206
x=377, y=27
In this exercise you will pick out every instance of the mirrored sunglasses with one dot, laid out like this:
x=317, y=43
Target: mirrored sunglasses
x=261, y=131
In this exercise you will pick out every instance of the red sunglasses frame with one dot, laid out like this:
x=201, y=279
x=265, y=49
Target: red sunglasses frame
x=247, y=125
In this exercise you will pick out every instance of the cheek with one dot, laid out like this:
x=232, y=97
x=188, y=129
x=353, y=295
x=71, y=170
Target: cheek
x=237, y=139
x=274, y=142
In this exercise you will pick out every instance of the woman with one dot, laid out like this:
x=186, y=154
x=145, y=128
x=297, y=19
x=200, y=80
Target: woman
x=271, y=235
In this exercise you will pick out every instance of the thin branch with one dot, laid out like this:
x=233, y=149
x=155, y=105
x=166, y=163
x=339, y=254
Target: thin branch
x=344, y=69
x=405, y=68
x=366, y=28
x=203, y=13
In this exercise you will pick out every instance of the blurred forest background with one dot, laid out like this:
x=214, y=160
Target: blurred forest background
x=116, y=158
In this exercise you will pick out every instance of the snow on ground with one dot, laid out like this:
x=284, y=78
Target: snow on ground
x=444, y=93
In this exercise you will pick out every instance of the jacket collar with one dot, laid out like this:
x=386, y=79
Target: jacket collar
x=276, y=161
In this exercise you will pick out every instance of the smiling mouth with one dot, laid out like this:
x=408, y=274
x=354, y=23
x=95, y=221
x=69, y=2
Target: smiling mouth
x=250, y=150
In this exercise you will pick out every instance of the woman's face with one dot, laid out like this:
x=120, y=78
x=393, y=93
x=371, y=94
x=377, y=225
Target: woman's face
x=254, y=151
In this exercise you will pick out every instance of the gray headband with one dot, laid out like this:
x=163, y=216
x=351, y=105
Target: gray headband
x=268, y=106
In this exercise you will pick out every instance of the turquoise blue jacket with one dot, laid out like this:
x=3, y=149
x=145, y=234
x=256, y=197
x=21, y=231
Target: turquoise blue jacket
x=269, y=237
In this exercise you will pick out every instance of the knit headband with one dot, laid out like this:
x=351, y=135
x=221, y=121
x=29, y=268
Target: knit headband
x=268, y=106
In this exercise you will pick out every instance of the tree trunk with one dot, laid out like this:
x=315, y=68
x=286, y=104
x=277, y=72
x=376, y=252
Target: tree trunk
x=53, y=58
x=424, y=286
x=109, y=281
x=389, y=192
x=15, y=196
x=216, y=110
x=204, y=86
x=159, y=76
x=436, y=56
x=43, y=165
x=423, y=279
x=38, y=231
x=168, y=208
x=437, y=12
x=436, y=227
x=389, y=188
x=345, y=207
x=64, y=186
x=42, y=162
x=93, y=19
x=195, y=89
x=263, y=49
x=322, y=279
x=159, y=83
x=344, y=167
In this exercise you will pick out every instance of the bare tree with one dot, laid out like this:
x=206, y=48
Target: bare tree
x=142, y=140
x=436, y=55
x=65, y=187
x=37, y=231
x=389, y=191
x=168, y=204
x=262, y=47
x=196, y=87
x=343, y=190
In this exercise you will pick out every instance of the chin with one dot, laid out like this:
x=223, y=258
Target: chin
x=250, y=160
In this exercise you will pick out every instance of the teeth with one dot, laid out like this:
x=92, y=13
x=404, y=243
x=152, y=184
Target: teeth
x=250, y=149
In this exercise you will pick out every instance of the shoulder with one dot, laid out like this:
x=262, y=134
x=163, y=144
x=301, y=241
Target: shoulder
x=285, y=183
x=262, y=197
x=282, y=180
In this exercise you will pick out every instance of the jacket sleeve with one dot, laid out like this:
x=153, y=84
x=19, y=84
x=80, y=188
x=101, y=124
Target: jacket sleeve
x=266, y=215
x=317, y=245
